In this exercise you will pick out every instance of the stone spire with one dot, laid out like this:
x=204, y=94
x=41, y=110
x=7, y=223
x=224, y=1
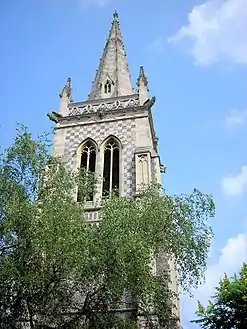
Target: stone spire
x=112, y=77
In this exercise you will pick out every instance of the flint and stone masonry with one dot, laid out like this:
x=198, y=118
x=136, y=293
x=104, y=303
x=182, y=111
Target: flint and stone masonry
x=112, y=132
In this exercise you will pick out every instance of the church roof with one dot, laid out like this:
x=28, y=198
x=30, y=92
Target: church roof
x=113, y=67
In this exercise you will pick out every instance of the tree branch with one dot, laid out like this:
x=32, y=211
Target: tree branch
x=7, y=247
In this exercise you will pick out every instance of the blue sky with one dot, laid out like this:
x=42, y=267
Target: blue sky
x=195, y=56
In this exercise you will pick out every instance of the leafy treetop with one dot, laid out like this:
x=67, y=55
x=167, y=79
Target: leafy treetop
x=229, y=307
x=59, y=271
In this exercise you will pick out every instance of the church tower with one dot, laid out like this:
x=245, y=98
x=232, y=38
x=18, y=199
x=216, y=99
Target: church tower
x=112, y=132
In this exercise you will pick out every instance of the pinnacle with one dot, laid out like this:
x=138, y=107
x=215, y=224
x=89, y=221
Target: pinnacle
x=66, y=89
x=142, y=76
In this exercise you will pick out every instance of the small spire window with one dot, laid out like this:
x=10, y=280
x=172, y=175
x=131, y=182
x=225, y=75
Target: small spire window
x=107, y=87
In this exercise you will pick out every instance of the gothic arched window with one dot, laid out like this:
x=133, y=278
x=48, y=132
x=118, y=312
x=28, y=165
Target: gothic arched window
x=87, y=161
x=107, y=87
x=88, y=156
x=111, y=167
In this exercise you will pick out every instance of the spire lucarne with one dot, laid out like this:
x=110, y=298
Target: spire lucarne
x=112, y=77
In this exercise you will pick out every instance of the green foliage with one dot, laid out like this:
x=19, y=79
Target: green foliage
x=86, y=183
x=59, y=271
x=229, y=309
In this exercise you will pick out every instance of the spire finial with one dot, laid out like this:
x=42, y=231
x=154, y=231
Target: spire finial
x=142, y=74
x=142, y=77
x=66, y=89
x=115, y=14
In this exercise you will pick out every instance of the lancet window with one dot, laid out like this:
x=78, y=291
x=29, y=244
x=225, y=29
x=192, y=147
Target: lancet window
x=88, y=156
x=87, y=162
x=107, y=87
x=111, y=167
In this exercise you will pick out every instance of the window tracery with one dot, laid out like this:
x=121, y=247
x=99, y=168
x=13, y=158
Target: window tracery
x=88, y=156
x=87, y=162
x=107, y=87
x=111, y=167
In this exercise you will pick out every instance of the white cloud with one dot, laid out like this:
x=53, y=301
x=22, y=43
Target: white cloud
x=234, y=185
x=217, y=30
x=236, y=118
x=232, y=256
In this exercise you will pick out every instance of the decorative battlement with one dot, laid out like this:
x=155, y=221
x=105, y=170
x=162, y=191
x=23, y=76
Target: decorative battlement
x=107, y=104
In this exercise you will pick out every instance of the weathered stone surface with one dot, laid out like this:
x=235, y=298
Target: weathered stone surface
x=113, y=67
x=121, y=114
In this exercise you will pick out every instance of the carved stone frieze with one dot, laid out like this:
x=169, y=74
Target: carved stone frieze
x=74, y=111
x=103, y=106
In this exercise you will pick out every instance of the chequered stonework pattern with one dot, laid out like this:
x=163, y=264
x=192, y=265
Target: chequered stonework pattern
x=124, y=130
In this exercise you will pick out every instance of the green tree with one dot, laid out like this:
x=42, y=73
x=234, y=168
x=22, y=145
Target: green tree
x=57, y=270
x=229, y=308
